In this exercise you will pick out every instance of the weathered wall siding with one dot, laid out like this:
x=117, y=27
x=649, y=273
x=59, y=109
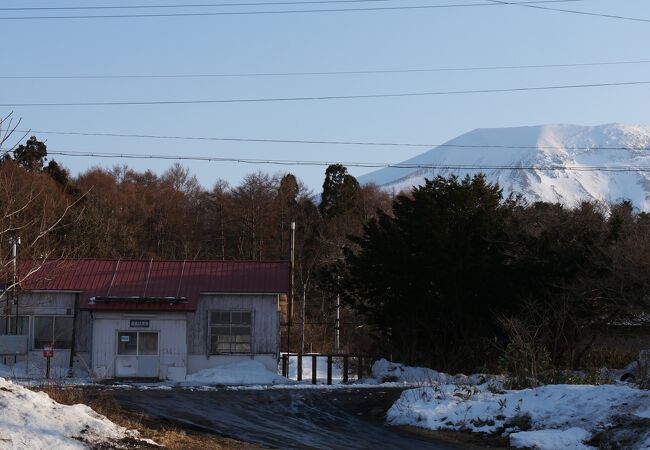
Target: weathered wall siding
x=47, y=303
x=265, y=320
x=55, y=304
x=172, y=341
x=83, y=334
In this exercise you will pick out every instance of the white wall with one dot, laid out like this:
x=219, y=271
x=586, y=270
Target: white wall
x=172, y=340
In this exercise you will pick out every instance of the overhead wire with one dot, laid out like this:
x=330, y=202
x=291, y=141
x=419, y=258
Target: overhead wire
x=324, y=73
x=320, y=141
x=486, y=3
x=324, y=97
x=572, y=11
x=189, y=6
x=296, y=162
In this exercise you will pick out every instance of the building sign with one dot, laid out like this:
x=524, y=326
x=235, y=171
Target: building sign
x=124, y=338
x=48, y=352
x=139, y=324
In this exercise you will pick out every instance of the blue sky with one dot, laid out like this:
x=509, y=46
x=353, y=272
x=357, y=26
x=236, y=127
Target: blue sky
x=454, y=37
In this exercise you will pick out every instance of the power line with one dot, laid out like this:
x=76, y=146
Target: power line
x=572, y=11
x=293, y=162
x=329, y=97
x=287, y=11
x=322, y=142
x=195, y=5
x=316, y=73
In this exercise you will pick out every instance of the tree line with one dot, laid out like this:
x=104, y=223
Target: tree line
x=451, y=274
x=125, y=213
x=458, y=277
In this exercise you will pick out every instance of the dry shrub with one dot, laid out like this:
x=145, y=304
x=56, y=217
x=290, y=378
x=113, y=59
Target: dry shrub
x=610, y=358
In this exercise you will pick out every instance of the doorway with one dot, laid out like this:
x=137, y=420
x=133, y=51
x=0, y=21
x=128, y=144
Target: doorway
x=137, y=354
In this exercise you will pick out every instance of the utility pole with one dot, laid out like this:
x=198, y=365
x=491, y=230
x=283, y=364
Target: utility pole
x=337, y=322
x=291, y=264
x=302, y=318
x=15, y=242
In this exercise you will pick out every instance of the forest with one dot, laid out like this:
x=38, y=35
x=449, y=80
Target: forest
x=451, y=275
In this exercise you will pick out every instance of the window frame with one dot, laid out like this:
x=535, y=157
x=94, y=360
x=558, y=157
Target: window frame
x=137, y=343
x=54, y=317
x=210, y=325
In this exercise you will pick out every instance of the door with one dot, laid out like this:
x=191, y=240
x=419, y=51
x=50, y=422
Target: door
x=147, y=355
x=137, y=354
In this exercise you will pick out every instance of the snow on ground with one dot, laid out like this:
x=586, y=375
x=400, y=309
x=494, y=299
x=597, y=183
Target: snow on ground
x=32, y=420
x=572, y=438
x=547, y=417
x=321, y=369
x=384, y=371
x=239, y=373
x=35, y=372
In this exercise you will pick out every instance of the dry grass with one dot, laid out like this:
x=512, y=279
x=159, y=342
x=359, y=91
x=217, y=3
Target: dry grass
x=163, y=432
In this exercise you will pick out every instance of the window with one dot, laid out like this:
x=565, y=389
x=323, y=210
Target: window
x=137, y=343
x=230, y=332
x=53, y=331
x=127, y=343
x=8, y=325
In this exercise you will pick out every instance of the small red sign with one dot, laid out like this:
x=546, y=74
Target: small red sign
x=48, y=352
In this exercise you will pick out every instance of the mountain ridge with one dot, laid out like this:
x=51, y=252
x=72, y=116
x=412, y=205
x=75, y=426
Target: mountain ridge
x=565, y=147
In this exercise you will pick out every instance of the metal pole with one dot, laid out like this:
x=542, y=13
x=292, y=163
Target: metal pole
x=290, y=306
x=337, y=326
x=14, y=255
x=302, y=319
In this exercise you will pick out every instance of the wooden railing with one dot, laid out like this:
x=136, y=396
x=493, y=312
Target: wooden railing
x=345, y=371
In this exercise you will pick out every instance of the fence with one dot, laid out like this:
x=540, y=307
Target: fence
x=350, y=366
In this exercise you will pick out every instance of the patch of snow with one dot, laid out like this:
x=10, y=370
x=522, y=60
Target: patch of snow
x=30, y=420
x=643, y=412
x=482, y=409
x=572, y=438
x=384, y=371
x=36, y=371
x=239, y=373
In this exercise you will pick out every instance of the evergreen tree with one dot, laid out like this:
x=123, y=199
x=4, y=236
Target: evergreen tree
x=31, y=155
x=340, y=192
x=430, y=274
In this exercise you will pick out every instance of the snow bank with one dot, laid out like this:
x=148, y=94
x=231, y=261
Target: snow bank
x=239, y=373
x=572, y=438
x=31, y=420
x=384, y=371
x=559, y=410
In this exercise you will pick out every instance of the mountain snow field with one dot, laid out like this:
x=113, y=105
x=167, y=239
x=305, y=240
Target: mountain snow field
x=536, y=148
x=32, y=420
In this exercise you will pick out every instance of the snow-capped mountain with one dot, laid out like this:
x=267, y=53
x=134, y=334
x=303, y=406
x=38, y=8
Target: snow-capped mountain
x=564, y=148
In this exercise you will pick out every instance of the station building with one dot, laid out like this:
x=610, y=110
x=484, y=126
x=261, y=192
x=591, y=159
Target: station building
x=144, y=319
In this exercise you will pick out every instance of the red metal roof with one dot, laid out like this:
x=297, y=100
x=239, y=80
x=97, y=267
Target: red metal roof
x=153, y=280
